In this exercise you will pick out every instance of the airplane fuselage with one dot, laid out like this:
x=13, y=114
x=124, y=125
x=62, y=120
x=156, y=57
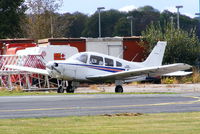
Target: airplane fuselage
x=82, y=65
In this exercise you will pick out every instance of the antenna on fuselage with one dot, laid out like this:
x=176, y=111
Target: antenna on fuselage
x=135, y=57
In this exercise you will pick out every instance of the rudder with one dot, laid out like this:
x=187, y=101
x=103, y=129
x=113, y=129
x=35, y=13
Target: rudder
x=155, y=58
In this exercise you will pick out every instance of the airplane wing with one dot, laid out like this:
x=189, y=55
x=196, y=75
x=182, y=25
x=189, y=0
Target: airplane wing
x=28, y=69
x=148, y=71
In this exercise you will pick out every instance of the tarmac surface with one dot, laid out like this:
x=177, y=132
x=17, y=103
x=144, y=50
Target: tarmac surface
x=185, y=99
x=174, y=88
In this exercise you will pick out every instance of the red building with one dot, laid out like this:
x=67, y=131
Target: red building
x=10, y=46
x=133, y=51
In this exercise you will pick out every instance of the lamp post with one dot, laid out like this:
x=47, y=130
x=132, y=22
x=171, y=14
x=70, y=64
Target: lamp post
x=99, y=11
x=51, y=18
x=172, y=20
x=199, y=10
x=172, y=24
x=198, y=14
x=178, y=13
x=131, y=18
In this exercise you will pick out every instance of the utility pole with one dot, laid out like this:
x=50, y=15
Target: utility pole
x=172, y=20
x=178, y=14
x=172, y=24
x=51, y=18
x=131, y=18
x=99, y=11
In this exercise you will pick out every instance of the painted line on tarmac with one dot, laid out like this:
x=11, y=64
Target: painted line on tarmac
x=100, y=107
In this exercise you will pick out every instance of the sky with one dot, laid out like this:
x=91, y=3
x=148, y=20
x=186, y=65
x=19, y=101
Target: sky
x=190, y=7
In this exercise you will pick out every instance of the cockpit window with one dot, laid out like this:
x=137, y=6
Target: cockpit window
x=118, y=64
x=96, y=60
x=109, y=62
x=83, y=58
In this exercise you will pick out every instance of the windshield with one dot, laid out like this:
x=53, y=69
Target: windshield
x=82, y=58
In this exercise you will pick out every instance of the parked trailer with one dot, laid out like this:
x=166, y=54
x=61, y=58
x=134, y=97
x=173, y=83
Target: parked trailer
x=50, y=52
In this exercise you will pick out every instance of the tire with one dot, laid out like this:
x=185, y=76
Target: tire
x=118, y=89
x=70, y=89
x=60, y=90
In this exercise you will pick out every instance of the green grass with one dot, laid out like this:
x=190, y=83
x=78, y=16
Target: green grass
x=21, y=93
x=164, y=123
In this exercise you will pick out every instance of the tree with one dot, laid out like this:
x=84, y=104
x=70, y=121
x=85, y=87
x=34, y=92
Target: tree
x=11, y=14
x=108, y=21
x=91, y=27
x=147, y=9
x=122, y=27
x=142, y=17
x=78, y=24
x=62, y=23
x=70, y=25
x=40, y=18
x=182, y=46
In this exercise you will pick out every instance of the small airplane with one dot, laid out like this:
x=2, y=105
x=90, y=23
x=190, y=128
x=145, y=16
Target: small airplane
x=99, y=68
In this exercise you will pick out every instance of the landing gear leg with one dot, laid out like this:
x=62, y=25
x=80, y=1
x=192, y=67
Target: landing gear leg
x=119, y=88
x=60, y=88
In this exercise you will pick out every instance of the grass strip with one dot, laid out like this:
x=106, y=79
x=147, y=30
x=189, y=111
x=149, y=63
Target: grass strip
x=163, y=123
x=21, y=93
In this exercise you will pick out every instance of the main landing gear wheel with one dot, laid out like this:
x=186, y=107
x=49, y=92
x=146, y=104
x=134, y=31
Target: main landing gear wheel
x=70, y=89
x=60, y=89
x=118, y=89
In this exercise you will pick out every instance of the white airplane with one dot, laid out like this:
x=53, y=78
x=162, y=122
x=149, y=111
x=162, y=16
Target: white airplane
x=99, y=68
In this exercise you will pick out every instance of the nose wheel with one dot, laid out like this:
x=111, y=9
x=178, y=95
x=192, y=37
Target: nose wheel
x=60, y=89
x=119, y=88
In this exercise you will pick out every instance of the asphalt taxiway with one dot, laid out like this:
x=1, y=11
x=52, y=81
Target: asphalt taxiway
x=95, y=104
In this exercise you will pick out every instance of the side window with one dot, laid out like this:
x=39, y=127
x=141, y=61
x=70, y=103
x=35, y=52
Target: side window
x=83, y=58
x=96, y=60
x=109, y=62
x=118, y=64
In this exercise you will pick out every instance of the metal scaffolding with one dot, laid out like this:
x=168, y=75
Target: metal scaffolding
x=11, y=78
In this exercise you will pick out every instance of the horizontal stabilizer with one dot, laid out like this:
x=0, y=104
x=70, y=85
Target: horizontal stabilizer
x=28, y=69
x=178, y=73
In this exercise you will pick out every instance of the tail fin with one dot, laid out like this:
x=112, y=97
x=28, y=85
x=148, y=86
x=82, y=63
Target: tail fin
x=156, y=56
